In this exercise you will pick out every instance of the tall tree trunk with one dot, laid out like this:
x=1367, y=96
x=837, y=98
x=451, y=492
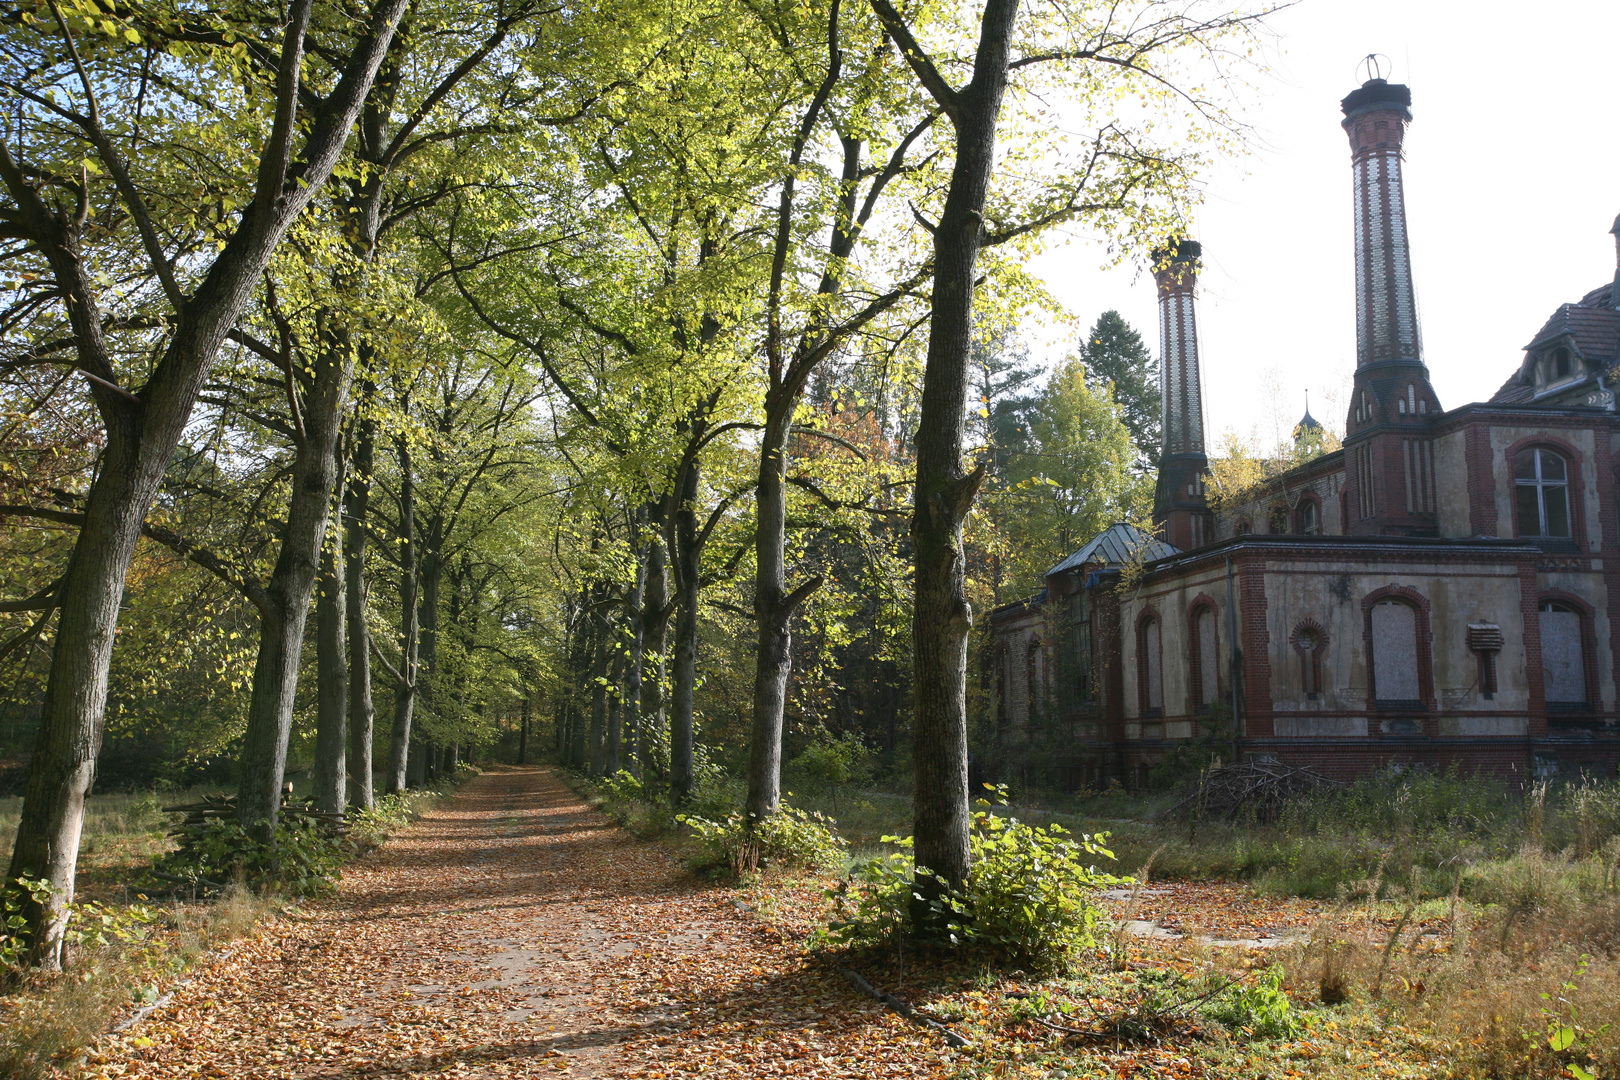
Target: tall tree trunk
x=579, y=743
x=630, y=700
x=289, y=590
x=654, y=629
x=615, y=714
x=332, y=683
x=773, y=614
x=430, y=557
x=416, y=763
x=362, y=717
x=688, y=569
x=945, y=491
x=523, y=734
x=600, y=661
x=399, y=745
x=143, y=430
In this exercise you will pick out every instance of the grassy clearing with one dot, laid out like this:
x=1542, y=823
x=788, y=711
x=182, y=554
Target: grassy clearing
x=1466, y=930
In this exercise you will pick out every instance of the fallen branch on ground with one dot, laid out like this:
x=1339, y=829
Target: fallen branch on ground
x=904, y=1008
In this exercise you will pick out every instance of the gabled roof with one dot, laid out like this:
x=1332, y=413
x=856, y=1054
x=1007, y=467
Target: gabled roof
x=1596, y=330
x=1591, y=324
x=1116, y=545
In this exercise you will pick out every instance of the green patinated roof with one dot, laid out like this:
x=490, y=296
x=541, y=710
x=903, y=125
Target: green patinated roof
x=1120, y=543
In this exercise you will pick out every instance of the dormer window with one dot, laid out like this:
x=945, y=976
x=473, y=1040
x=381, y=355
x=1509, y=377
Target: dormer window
x=1558, y=365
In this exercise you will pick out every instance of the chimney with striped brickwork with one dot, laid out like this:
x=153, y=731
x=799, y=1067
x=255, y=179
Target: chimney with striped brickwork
x=1180, y=510
x=1389, y=457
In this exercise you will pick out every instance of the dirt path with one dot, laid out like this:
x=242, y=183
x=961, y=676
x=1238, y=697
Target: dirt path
x=516, y=933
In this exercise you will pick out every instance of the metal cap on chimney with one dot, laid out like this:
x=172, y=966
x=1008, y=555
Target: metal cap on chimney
x=1377, y=94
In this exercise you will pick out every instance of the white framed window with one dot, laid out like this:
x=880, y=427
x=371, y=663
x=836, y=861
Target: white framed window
x=1541, y=493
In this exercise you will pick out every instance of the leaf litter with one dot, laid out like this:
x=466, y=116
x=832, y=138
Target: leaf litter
x=514, y=932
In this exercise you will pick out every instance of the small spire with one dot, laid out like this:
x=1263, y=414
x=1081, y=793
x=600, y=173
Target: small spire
x=1308, y=426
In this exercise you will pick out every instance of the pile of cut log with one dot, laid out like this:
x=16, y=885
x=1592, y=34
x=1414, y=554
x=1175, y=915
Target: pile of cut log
x=1258, y=789
x=222, y=807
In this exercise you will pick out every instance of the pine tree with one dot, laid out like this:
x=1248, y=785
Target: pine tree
x=1115, y=353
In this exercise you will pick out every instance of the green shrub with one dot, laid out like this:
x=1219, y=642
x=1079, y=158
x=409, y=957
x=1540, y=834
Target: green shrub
x=301, y=858
x=623, y=786
x=1029, y=897
x=829, y=764
x=1258, y=1010
x=16, y=895
x=388, y=814
x=789, y=837
x=1030, y=891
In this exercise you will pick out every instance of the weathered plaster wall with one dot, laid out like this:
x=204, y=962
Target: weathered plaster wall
x=1451, y=484
x=1173, y=601
x=1332, y=596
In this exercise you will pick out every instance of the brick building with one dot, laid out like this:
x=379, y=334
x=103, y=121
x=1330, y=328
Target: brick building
x=1436, y=592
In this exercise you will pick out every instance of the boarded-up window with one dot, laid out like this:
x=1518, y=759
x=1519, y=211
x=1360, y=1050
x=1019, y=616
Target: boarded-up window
x=1032, y=672
x=1208, y=658
x=1395, y=648
x=1563, y=663
x=1309, y=643
x=1151, y=656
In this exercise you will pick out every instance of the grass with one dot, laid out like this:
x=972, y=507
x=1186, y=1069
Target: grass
x=1472, y=931
x=47, y=1023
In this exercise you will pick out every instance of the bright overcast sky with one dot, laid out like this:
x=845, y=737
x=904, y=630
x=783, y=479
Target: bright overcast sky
x=1512, y=184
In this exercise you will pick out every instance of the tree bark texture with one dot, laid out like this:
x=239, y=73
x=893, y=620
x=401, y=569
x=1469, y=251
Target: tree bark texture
x=332, y=683
x=579, y=744
x=601, y=658
x=142, y=431
x=289, y=590
x=615, y=709
x=654, y=630
x=773, y=657
x=944, y=490
x=362, y=718
x=688, y=570
x=399, y=736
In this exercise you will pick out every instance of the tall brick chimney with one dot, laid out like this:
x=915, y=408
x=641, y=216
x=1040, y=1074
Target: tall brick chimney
x=1389, y=459
x=1614, y=289
x=1180, y=510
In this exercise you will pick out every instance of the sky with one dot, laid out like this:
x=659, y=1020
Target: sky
x=1512, y=185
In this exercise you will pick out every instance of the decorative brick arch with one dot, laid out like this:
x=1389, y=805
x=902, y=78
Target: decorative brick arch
x=1574, y=459
x=1146, y=617
x=1424, y=643
x=1588, y=617
x=1195, y=684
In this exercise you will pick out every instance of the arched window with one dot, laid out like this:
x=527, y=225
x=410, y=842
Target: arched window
x=1241, y=527
x=1278, y=522
x=1541, y=488
x=1206, y=658
x=1149, y=666
x=1563, y=655
x=1395, y=655
x=1308, y=518
x=1308, y=641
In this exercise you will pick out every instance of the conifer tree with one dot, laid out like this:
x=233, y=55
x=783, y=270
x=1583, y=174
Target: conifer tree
x=1115, y=353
